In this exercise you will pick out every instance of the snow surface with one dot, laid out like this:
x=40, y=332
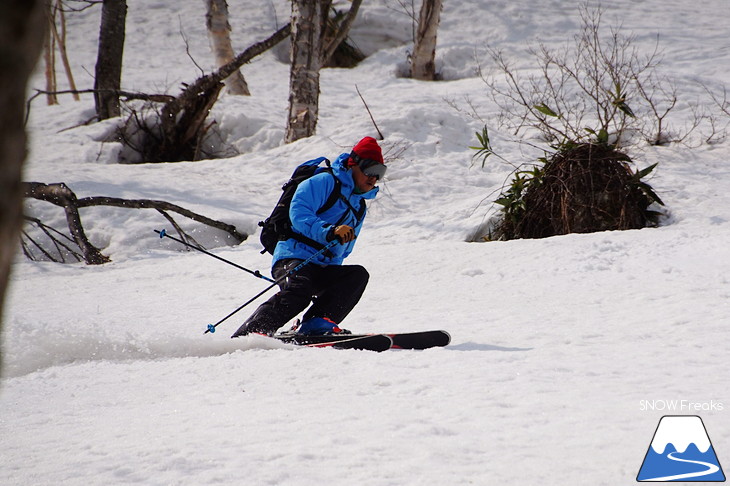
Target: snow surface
x=565, y=351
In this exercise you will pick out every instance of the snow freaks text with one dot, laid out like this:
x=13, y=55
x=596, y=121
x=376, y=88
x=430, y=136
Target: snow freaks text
x=680, y=406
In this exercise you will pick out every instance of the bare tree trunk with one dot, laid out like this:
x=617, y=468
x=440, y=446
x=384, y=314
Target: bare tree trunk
x=49, y=57
x=310, y=51
x=109, y=59
x=60, y=38
x=423, y=65
x=306, y=61
x=219, y=30
x=23, y=24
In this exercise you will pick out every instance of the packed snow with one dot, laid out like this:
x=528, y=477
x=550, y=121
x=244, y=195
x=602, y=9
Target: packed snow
x=565, y=351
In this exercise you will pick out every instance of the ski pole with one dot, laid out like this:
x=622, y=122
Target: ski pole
x=211, y=327
x=255, y=273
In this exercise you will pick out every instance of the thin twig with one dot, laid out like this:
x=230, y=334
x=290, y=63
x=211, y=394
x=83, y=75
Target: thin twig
x=380, y=134
x=128, y=95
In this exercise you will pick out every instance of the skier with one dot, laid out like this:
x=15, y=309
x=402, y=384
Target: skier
x=333, y=289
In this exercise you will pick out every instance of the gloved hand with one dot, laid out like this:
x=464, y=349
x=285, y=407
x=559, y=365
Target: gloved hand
x=343, y=233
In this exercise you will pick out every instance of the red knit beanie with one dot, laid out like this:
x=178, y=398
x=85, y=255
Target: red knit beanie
x=368, y=148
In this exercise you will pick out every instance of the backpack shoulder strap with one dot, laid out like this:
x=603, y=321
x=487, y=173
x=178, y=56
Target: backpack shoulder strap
x=334, y=195
x=359, y=213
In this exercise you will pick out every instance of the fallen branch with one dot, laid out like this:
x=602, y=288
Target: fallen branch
x=182, y=119
x=61, y=195
x=127, y=95
x=176, y=129
x=52, y=234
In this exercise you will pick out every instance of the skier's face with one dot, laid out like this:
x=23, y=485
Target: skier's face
x=363, y=183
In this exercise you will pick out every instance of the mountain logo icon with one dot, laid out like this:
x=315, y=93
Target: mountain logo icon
x=681, y=451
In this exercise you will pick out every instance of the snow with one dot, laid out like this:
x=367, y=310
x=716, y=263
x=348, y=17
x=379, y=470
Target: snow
x=556, y=343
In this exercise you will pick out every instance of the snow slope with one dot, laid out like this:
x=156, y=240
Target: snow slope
x=557, y=344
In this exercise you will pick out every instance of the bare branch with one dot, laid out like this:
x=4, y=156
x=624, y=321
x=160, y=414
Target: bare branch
x=380, y=134
x=61, y=195
x=127, y=95
x=53, y=234
x=83, y=5
x=187, y=46
x=587, y=90
x=160, y=206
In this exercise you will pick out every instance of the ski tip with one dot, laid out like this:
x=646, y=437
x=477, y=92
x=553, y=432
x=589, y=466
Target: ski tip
x=420, y=340
x=447, y=337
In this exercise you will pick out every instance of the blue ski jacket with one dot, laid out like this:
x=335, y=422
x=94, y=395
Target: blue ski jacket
x=309, y=197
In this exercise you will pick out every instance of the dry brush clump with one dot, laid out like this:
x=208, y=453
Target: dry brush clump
x=585, y=102
x=584, y=188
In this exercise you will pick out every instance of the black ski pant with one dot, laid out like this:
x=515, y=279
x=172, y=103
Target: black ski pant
x=332, y=290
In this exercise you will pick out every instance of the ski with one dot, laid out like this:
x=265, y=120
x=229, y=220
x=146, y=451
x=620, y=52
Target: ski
x=366, y=342
x=402, y=340
x=420, y=339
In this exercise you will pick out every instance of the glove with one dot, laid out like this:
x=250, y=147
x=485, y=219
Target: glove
x=343, y=233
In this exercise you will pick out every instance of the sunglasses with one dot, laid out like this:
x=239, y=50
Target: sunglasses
x=371, y=168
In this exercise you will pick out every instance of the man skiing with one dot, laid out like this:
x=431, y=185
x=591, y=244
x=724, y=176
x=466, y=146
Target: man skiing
x=333, y=289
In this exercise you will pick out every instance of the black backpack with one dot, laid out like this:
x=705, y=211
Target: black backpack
x=277, y=226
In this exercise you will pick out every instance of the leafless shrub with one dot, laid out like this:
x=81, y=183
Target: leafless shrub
x=599, y=85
